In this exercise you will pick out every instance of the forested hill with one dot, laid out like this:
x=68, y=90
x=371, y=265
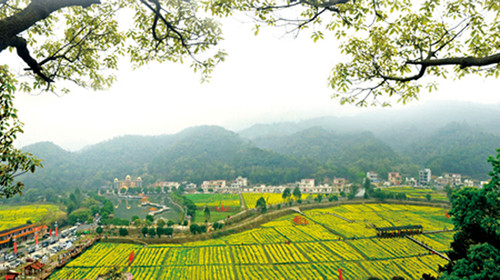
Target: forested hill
x=397, y=128
x=211, y=152
x=458, y=148
x=195, y=154
x=348, y=155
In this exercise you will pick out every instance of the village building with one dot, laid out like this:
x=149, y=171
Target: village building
x=372, y=176
x=306, y=185
x=218, y=186
x=20, y=233
x=166, y=186
x=424, y=177
x=394, y=178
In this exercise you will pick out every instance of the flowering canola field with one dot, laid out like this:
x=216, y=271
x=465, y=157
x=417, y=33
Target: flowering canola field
x=13, y=216
x=282, y=250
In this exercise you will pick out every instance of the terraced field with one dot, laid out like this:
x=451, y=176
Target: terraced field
x=282, y=250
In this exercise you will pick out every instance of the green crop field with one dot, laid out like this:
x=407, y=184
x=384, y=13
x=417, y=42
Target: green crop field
x=216, y=199
x=416, y=192
x=280, y=249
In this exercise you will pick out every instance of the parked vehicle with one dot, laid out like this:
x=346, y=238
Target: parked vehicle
x=45, y=244
x=10, y=257
x=31, y=249
x=14, y=264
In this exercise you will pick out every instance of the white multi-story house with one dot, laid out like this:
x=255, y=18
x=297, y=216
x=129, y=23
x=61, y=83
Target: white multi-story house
x=424, y=176
x=372, y=176
x=167, y=186
x=306, y=185
x=456, y=179
x=215, y=186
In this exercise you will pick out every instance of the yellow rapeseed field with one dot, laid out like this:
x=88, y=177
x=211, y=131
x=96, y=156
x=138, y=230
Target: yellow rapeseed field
x=282, y=250
x=12, y=216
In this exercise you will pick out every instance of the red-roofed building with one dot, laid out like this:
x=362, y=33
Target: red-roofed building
x=33, y=268
x=12, y=275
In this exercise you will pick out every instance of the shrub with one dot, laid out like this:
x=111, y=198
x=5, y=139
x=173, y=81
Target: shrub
x=123, y=232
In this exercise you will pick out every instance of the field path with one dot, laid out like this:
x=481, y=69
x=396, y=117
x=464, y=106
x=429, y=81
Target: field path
x=428, y=248
x=242, y=201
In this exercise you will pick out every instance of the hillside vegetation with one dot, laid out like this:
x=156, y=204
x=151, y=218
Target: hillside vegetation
x=321, y=148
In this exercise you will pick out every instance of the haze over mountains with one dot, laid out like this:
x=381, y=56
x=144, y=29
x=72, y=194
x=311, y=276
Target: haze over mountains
x=452, y=137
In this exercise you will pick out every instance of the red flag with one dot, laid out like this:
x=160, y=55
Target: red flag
x=50, y=232
x=36, y=239
x=131, y=258
x=56, y=231
x=15, y=247
x=340, y=273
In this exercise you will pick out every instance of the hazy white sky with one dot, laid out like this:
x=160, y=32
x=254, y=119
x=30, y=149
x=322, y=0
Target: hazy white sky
x=267, y=78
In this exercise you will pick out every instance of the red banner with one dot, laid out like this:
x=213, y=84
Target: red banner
x=15, y=247
x=36, y=239
x=50, y=232
x=56, y=231
x=340, y=273
x=131, y=258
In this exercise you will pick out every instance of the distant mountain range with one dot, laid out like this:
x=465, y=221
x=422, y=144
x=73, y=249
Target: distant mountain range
x=444, y=138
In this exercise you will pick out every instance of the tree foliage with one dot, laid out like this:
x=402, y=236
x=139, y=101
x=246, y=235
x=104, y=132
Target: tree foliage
x=297, y=194
x=80, y=42
x=476, y=244
x=286, y=194
x=13, y=162
x=390, y=46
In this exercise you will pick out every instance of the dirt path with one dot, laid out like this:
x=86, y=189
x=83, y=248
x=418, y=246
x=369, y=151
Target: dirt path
x=242, y=201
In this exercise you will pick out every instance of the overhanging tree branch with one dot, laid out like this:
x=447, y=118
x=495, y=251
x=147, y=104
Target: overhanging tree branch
x=21, y=46
x=463, y=62
x=36, y=11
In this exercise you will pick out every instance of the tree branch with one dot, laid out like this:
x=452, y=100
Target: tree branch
x=463, y=62
x=36, y=11
x=21, y=46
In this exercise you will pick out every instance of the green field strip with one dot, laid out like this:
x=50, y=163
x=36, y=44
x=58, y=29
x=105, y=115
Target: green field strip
x=163, y=265
x=404, y=270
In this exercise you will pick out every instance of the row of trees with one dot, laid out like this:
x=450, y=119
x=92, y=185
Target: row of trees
x=297, y=194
